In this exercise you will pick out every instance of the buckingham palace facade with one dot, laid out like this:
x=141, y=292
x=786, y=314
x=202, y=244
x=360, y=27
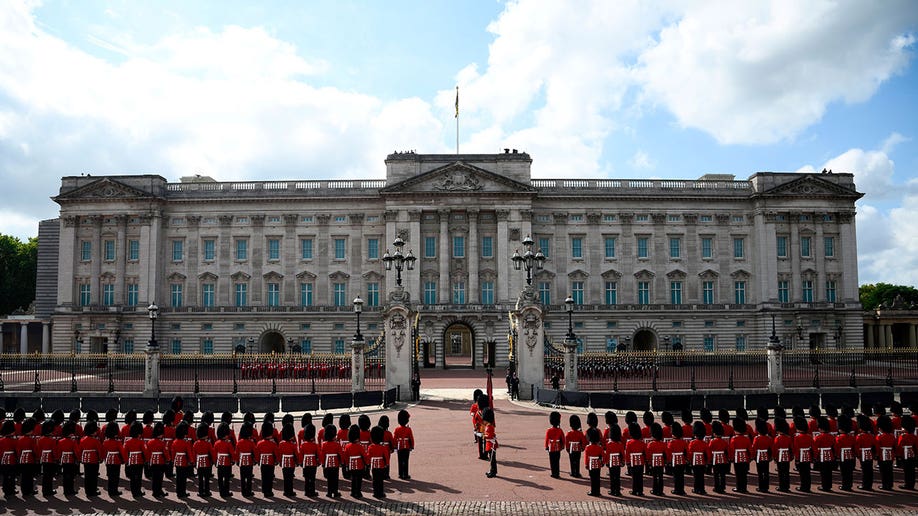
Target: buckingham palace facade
x=274, y=265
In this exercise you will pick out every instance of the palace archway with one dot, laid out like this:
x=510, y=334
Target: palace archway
x=458, y=345
x=271, y=342
x=645, y=340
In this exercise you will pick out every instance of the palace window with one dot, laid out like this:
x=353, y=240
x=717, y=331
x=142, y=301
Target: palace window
x=273, y=294
x=783, y=291
x=109, y=250
x=642, y=251
x=430, y=292
x=133, y=294
x=430, y=247
x=210, y=249
x=577, y=247
x=739, y=247
x=207, y=294
x=175, y=297
x=306, y=248
x=273, y=249
x=782, y=246
x=340, y=293
x=242, y=249
x=643, y=292
x=372, y=248
x=739, y=292
x=545, y=292
x=242, y=294
x=545, y=246
x=577, y=292
x=373, y=294
x=610, y=247
x=707, y=292
x=611, y=292
x=459, y=293
x=305, y=294
x=675, y=292
x=340, y=244
x=487, y=292
x=133, y=250
x=487, y=247
x=707, y=247
x=675, y=247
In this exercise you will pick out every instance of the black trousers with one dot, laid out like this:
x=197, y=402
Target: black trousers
x=181, y=480
x=762, y=470
x=886, y=474
x=309, y=474
x=846, y=467
x=379, y=475
x=157, y=472
x=554, y=462
x=637, y=479
x=224, y=474
x=575, y=463
x=867, y=475
x=595, y=477
x=27, y=474
x=68, y=476
x=698, y=477
x=331, y=478
x=657, y=483
x=403, y=456
x=288, y=474
x=9, y=480
x=720, y=477
x=783, y=476
x=357, y=484
x=678, y=480
x=615, y=480
x=804, y=469
x=91, y=479
x=48, y=471
x=204, y=475
x=246, y=475
x=825, y=475
x=492, y=459
x=267, y=480
x=135, y=475
x=741, y=471
x=113, y=474
x=908, y=473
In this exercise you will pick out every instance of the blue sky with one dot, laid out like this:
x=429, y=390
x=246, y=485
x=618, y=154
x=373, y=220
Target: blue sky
x=633, y=89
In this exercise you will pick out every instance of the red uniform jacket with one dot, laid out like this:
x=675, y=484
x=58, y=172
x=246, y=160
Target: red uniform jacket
x=182, y=455
x=288, y=454
x=634, y=452
x=594, y=456
x=26, y=452
x=266, y=452
x=45, y=449
x=886, y=447
x=718, y=449
x=741, y=449
x=615, y=454
x=354, y=456
x=245, y=452
x=905, y=448
x=656, y=454
x=698, y=453
x=403, y=438
x=136, y=451
x=783, y=448
x=157, y=452
x=824, y=447
x=378, y=456
x=8, y=456
x=113, y=452
x=309, y=454
x=225, y=453
x=803, y=448
x=675, y=452
x=845, y=447
x=554, y=439
x=66, y=450
x=761, y=448
x=330, y=454
x=865, y=445
x=490, y=437
x=203, y=454
x=575, y=441
x=90, y=450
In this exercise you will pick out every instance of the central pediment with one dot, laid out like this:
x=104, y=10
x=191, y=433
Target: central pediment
x=458, y=178
x=105, y=189
x=811, y=186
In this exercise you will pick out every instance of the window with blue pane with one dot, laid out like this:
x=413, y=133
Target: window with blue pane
x=108, y=295
x=85, y=297
x=430, y=247
x=675, y=247
x=109, y=249
x=459, y=293
x=133, y=250
x=242, y=294
x=340, y=293
x=339, y=346
x=610, y=247
x=739, y=292
x=611, y=293
x=830, y=291
x=242, y=249
x=781, y=244
x=207, y=346
x=373, y=294
x=175, y=295
x=133, y=295
x=306, y=345
x=273, y=294
x=458, y=247
x=707, y=247
x=643, y=292
x=340, y=244
x=707, y=292
x=176, y=346
x=127, y=346
x=487, y=292
x=273, y=249
x=487, y=247
x=576, y=247
x=85, y=251
x=207, y=294
x=430, y=292
x=178, y=247
x=709, y=343
x=210, y=249
x=739, y=247
x=642, y=247
x=545, y=292
x=372, y=248
x=306, y=248
x=675, y=292
x=577, y=292
x=783, y=291
x=829, y=244
x=741, y=343
x=306, y=294
x=807, y=291
x=611, y=344
x=545, y=246
x=805, y=246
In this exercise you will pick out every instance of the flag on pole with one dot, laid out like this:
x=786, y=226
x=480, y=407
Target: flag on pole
x=457, y=101
x=490, y=389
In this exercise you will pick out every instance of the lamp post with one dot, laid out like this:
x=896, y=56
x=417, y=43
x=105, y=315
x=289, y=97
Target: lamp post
x=570, y=348
x=151, y=362
x=357, y=378
x=774, y=350
x=528, y=259
x=401, y=261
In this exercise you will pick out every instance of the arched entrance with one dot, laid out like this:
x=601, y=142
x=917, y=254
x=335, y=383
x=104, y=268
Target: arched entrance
x=271, y=342
x=458, y=346
x=645, y=340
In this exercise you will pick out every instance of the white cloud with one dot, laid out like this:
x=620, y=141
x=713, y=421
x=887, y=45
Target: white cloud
x=641, y=161
x=892, y=141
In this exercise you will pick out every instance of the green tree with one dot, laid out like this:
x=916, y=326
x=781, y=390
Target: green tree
x=873, y=296
x=18, y=266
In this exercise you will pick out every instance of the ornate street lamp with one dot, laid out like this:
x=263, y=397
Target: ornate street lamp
x=358, y=309
x=569, y=306
x=357, y=350
x=151, y=358
x=153, y=311
x=528, y=259
x=570, y=348
x=401, y=261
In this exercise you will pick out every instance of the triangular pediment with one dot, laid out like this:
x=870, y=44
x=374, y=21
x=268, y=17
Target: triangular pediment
x=811, y=186
x=104, y=188
x=458, y=178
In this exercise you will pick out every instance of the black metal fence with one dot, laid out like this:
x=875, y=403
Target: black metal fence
x=850, y=368
x=215, y=373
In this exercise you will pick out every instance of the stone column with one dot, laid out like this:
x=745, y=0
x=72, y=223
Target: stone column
x=870, y=331
x=502, y=258
x=397, y=324
x=912, y=335
x=443, y=257
x=45, y=338
x=775, y=371
x=191, y=260
x=474, y=257
x=847, y=249
x=291, y=257
x=796, y=286
x=151, y=371
x=226, y=256
x=570, y=365
x=819, y=259
x=257, y=255
x=322, y=251
x=529, y=347
x=414, y=284
x=96, y=267
x=23, y=338
x=67, y=257
x=121, y=252
x=881, y=336
x=889, y=335
x=357, y=379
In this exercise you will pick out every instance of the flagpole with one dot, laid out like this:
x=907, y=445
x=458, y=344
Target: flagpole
x=457, y=120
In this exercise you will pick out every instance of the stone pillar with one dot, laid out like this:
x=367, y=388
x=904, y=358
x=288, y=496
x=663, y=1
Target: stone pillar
x=473, y=257
x=1, y=337
x=870, y=331
x=443, y=258
x=357, y=379
x=151, y=371
x=45, y=338
x=529, y=347
x=775, y=372
x=912, y=335
x=570, y=365
x=23, y=338
x=887, y=328
x=121, y=253
x=397, y=324
x=502, y=258
x=95, y=282
x=68, y=256
x=413, y=278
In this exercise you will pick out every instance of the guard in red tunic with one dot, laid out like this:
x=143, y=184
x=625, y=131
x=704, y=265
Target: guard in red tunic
x=245, y=452
x=634, y=457
x=718, y=449
x=388, y=441
x=699, y=456
x=136, y=452
x=226, y=457
x=575, y=441
x=905, y=452
x=783, y=452
x=289, y=458
x=656, y=458
x=378, y=457
x=363, y=421
x=824, y=453
x=182, y=457
x=844, y=452
x=266, y=454
x=761, y=453
x=168, y=422
x=675, y=457
x=304, y=421
x=66, y=453
x=158, y=456
x=45, y=450
x=803, y=453
x=886, y=451
x=309, y=454
x=344, y=425
x=490, y=437
x=865, y=444
x=8, y=458
x=615, y=452
x=114, y=457
x=404, y=443
x=330, y=457
x=203, y=453
x=594, y=456
x=355, y=457
x=90, y=456
x=554, y=443
x=741, y=454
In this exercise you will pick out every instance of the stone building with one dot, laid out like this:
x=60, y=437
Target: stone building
x=651, y=264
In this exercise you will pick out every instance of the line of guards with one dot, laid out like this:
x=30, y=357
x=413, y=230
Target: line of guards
x=825, y=443
x=297, y=369
x=178, y=449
